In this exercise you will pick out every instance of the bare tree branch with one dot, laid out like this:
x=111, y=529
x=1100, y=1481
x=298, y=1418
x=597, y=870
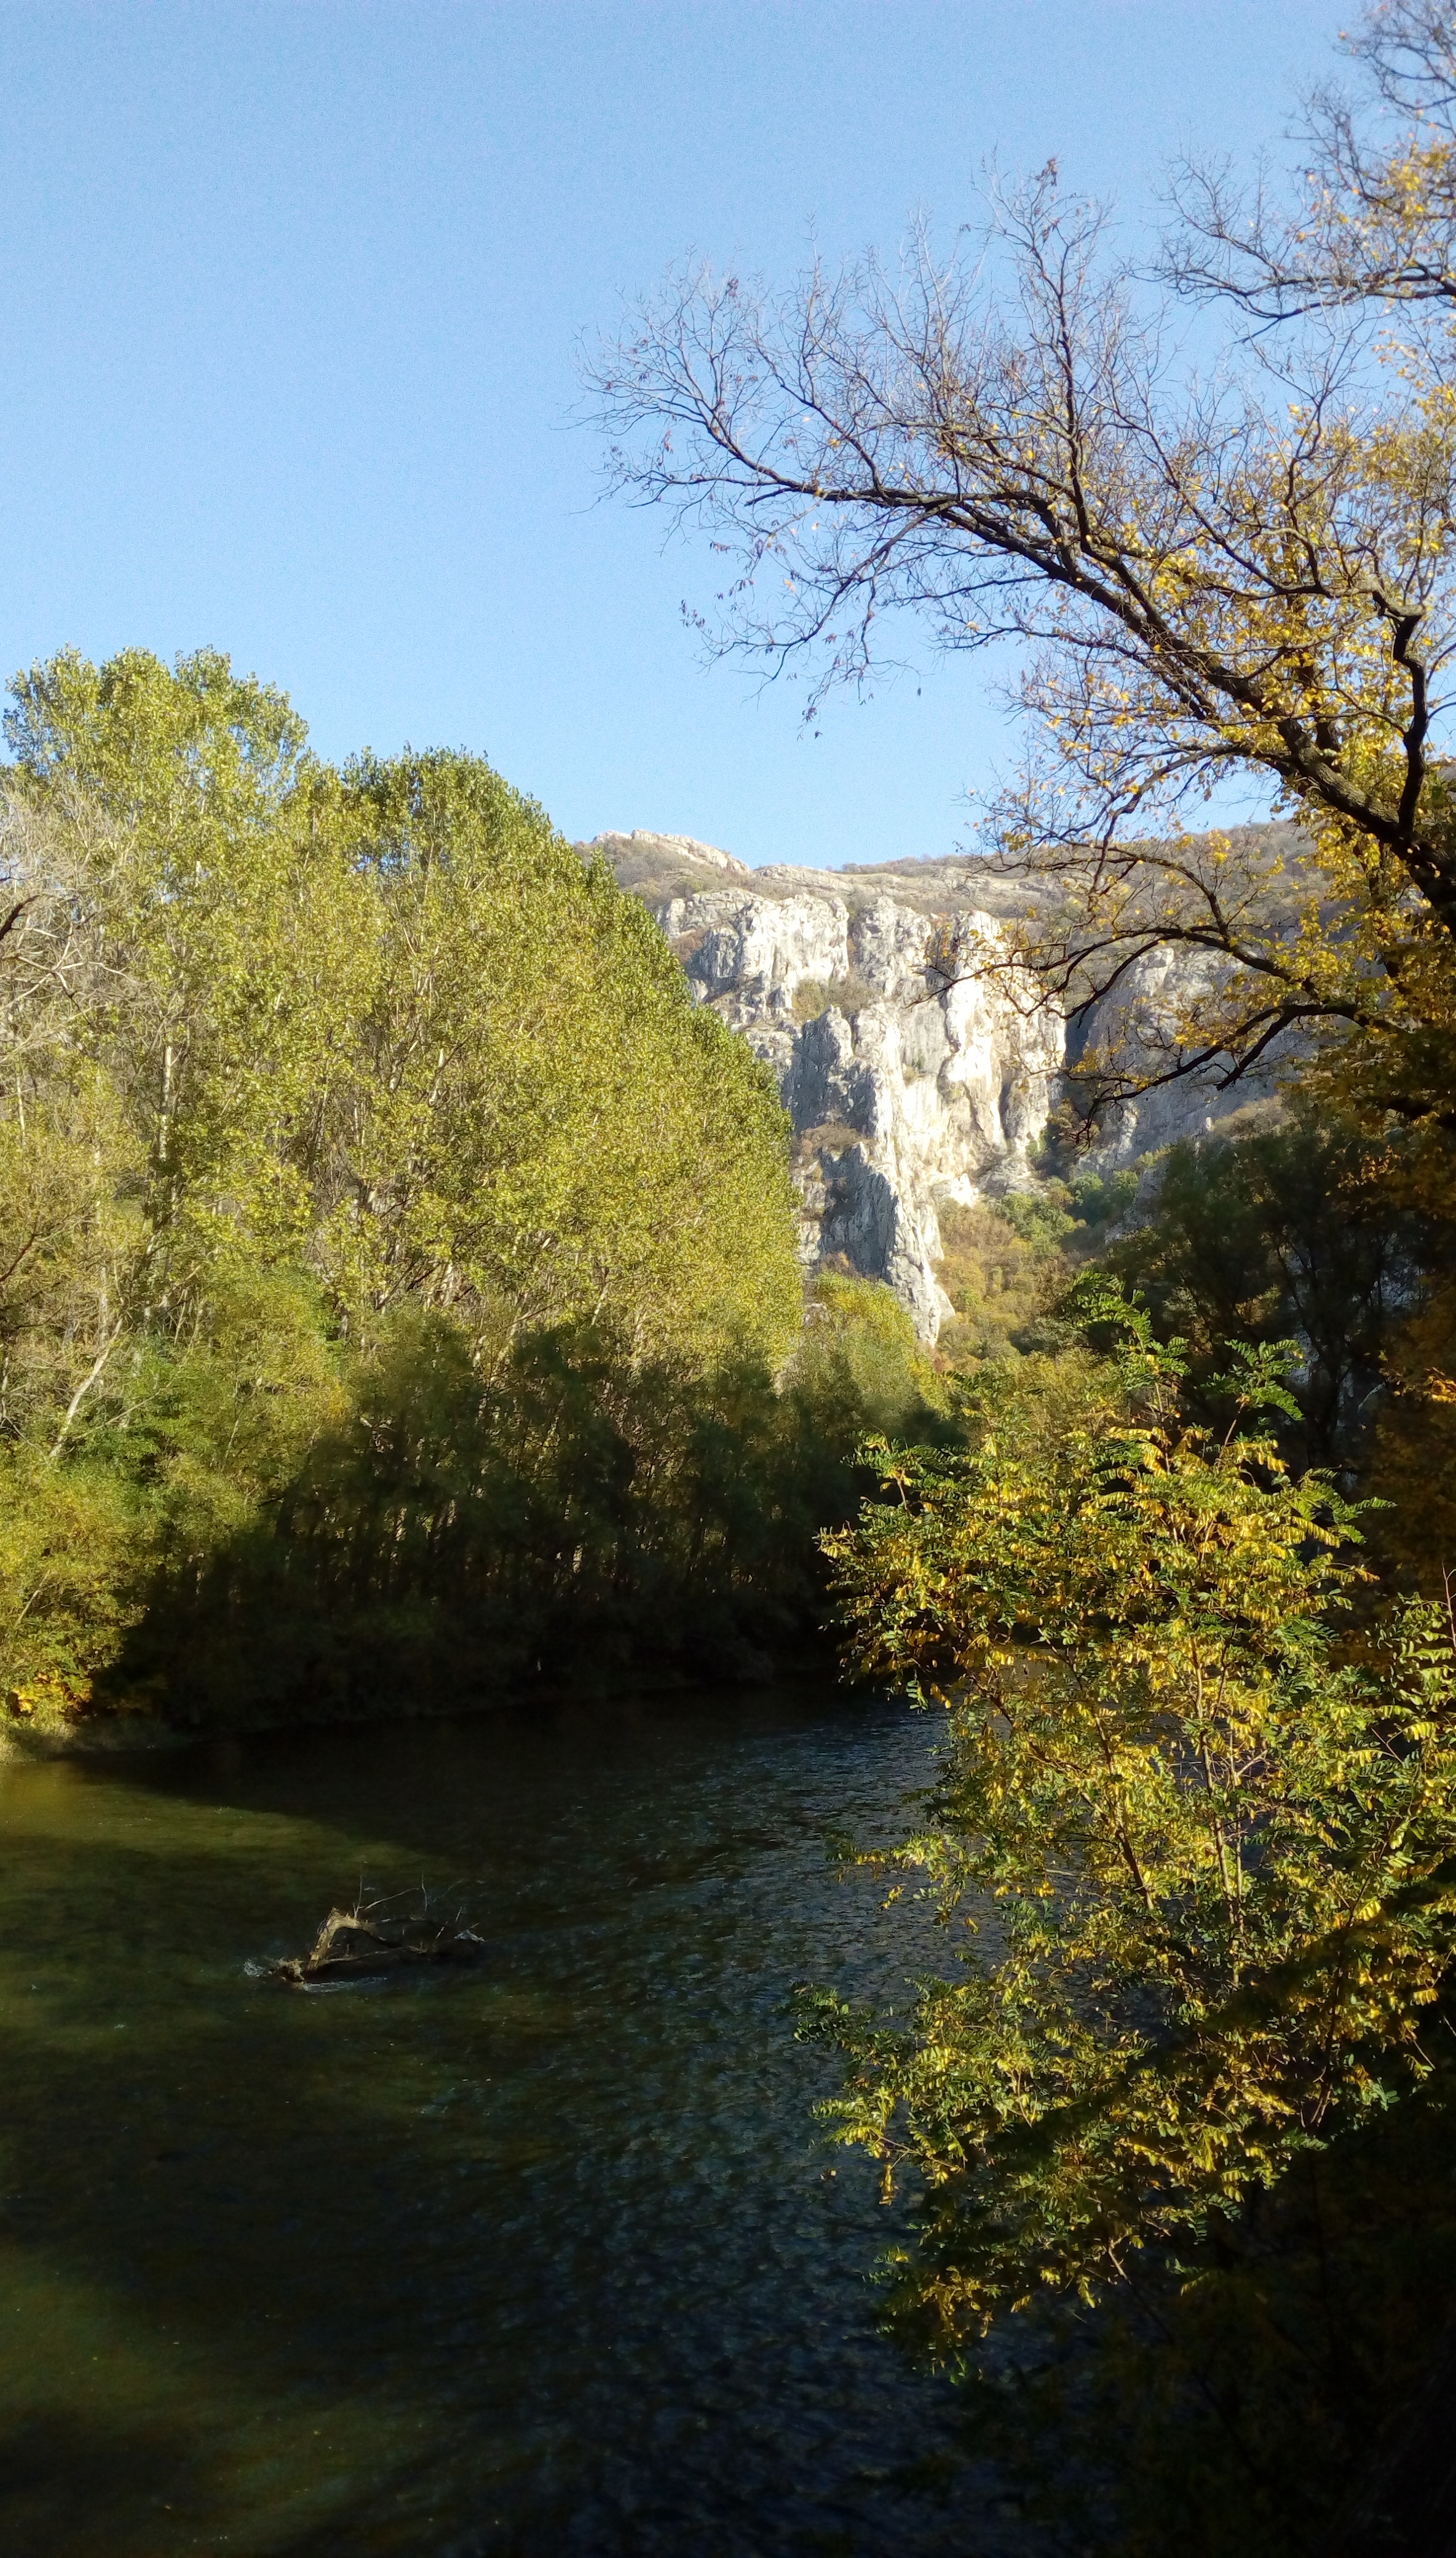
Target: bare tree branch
x=1244, y=574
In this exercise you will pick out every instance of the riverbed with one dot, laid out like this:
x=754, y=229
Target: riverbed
x=543, y=2256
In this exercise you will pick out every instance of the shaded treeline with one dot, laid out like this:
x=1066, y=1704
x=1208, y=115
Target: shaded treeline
x=578, y=1516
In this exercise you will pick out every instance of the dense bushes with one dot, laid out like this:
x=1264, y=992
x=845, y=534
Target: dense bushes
x=1219, y=1857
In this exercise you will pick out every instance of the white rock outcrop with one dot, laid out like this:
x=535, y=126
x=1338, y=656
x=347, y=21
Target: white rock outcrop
x=902, y=1096
x=905, y=1097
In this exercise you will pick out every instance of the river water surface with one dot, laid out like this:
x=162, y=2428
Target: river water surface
x=544, y=2256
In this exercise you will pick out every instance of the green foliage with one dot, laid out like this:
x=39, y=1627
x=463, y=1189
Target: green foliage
x=544, y=1121
x=1009, y=1263
x=1006, y=1266
x=999, y=1283
x=1298, y=1231
x=1212, y=1864
x=67, y=1595
x=320, y=1087
x=1235, y=2407
x=1104, y=1199
x=860, y=1367
x=1041, y=1218
x=157, y=749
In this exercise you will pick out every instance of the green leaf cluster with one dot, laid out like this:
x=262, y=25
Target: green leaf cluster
x=1200, y=1858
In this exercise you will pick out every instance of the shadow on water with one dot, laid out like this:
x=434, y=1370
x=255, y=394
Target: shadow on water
x=542, y=2257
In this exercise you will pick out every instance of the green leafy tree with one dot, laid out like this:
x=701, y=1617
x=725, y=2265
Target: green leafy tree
x=1207, y=1870
x=542, y=1125
x=300, y=1067
x=171, y=868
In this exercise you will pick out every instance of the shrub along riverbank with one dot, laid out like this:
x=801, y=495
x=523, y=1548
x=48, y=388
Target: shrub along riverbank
x=1176, y=2111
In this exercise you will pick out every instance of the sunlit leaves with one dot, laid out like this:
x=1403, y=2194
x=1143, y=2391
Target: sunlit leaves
x=1207, y=1867
x=287, y=1056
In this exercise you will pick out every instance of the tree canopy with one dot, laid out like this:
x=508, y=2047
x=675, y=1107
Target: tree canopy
x=1219, y=555
x=385, y=1019
x=296, y=1060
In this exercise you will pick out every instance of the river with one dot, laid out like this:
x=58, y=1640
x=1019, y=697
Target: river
x=546, y=2256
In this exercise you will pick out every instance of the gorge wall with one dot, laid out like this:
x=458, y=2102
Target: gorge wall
x=904, y=1098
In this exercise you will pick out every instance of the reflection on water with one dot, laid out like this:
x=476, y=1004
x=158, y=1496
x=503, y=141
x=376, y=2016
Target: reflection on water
x=539, y=2257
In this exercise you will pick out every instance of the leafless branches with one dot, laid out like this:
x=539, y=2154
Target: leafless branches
x=1374, y=230
x=1242, y=571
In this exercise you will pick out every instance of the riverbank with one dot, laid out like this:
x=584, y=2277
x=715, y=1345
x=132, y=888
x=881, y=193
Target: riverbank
x=48, y=1732
x=31, y=1739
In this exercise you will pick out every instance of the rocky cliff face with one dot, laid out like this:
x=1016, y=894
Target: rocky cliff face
x=904, y=1099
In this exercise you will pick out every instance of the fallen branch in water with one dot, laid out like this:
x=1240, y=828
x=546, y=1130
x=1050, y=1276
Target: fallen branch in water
x=355, y=1943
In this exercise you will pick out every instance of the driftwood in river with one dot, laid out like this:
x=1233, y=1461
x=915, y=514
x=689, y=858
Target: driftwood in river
x=360, y=1944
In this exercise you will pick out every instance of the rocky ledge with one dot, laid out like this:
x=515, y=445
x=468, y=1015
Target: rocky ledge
x=905, y=1097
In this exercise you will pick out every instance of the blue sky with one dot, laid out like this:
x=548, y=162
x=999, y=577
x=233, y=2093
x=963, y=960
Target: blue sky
x=292, y=300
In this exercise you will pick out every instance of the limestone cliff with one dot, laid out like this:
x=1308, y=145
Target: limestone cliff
x=904, y=1098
